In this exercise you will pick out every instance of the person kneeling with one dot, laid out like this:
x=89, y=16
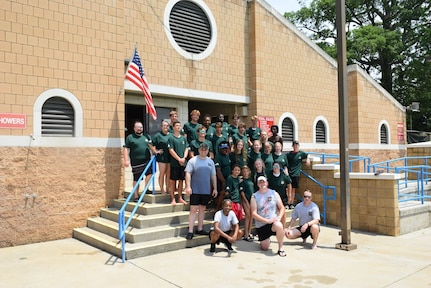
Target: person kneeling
x=226, y=227
x=308, y=214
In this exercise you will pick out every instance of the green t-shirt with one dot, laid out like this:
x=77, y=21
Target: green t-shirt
x=140, y=151
x=254, y=133
x=243, y=137
x=237, y=159
x=232, y=186
x=179, y=144
x=279, y=183
x=247, y=187
x=268, y=160
x=191, y=130
x=160, y=141
x=252, y=156
x=232, y=130
x=295, y=162
x=280, y=159
x=216, y=140
x=222, y=161
x=194, y=146
x=210, y=133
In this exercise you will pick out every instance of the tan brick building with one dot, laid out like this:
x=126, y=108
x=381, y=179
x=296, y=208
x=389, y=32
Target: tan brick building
x=62, y=71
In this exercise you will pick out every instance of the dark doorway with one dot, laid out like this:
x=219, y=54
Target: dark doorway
x=138, y=113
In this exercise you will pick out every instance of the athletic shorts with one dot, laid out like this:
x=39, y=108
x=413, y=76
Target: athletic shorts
x=265, y=232
x=295, y=181
x=177, y=173
x=138, y=169
x=199, y=199
x=237, y=209
x=306, y=233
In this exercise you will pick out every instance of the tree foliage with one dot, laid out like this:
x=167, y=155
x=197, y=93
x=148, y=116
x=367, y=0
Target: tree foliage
x=390, y=39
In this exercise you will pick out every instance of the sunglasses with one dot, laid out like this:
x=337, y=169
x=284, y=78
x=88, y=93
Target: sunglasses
x=307, y=196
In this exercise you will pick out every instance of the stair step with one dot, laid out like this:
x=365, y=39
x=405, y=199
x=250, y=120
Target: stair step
x=148, y=208
x=134, y=235
x=141, y=221
x=157, y=197
x=135, y=250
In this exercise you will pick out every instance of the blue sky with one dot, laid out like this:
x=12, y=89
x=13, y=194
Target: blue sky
x=284, y=5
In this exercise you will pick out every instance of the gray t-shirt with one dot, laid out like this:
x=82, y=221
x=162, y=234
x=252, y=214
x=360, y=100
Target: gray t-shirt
x=201, y=171
x=306, y=213
x=266, y=206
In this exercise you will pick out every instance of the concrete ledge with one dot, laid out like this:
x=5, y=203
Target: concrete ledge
x=326, y=167
x=371, y=176
x=414, y=216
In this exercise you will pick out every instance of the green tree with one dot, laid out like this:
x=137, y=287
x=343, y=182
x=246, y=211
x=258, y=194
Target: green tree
x=390, y=39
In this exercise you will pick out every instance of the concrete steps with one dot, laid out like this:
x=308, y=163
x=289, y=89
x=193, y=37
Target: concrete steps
x=156, y=227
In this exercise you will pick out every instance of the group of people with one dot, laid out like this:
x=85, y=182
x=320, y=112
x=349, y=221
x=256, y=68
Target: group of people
x=243, y=170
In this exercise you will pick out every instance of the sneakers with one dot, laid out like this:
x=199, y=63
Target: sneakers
x=212, y=249
x=229, y=246
x=189, y=236
x=202, y=232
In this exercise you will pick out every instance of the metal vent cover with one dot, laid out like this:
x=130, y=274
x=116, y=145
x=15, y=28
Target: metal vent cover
x=58, y=118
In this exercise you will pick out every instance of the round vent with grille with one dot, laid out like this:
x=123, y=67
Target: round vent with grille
x=190, y=28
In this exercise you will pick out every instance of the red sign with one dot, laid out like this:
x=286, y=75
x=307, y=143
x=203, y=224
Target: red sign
x=400, y=131
x=265, y=123
x=13, y=121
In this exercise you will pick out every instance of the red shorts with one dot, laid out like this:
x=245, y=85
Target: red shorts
x=237, y=209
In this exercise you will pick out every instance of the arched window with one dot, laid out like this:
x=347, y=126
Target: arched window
x=287, y=130
x=57, y=113
x=384, y=134
x=320, y=132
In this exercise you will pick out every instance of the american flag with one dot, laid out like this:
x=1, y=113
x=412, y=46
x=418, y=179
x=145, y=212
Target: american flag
x=135, y=74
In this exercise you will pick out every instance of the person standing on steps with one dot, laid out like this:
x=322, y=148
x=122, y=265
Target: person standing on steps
x=200, y=177
x=295, y=159
x=160, y=143
x=137, y=153
x=308, y=214
x=179, y=150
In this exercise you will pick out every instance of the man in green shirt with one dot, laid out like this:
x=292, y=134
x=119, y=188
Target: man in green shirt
x=295, y=159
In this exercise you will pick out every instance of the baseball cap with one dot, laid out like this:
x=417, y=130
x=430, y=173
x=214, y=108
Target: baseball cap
x=203, y=146
x=261, y=178
x=224, y=145
x=295, y=142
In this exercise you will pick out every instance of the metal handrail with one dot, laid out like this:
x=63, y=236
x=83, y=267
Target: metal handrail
x=422, y=175
x=325, y=196
x=352, y=159
x=122, y=224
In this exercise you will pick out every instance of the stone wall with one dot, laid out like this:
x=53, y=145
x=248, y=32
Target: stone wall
x=68, y=184
x=374, y=199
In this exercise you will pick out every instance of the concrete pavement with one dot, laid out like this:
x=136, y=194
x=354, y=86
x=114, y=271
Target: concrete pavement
x=379, y=261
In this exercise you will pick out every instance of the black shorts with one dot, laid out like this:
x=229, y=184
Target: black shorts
x=265, y=232
x=199, y=199
x=306, y=233
x=177, y=173
x=295, y=181
x=138, y=169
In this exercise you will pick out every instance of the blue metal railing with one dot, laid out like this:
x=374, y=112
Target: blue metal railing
x=352, y=159
x=122, y=224
x=325, y=196
x=419, y=175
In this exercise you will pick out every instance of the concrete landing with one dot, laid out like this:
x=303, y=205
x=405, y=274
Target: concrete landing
x=378, y=261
